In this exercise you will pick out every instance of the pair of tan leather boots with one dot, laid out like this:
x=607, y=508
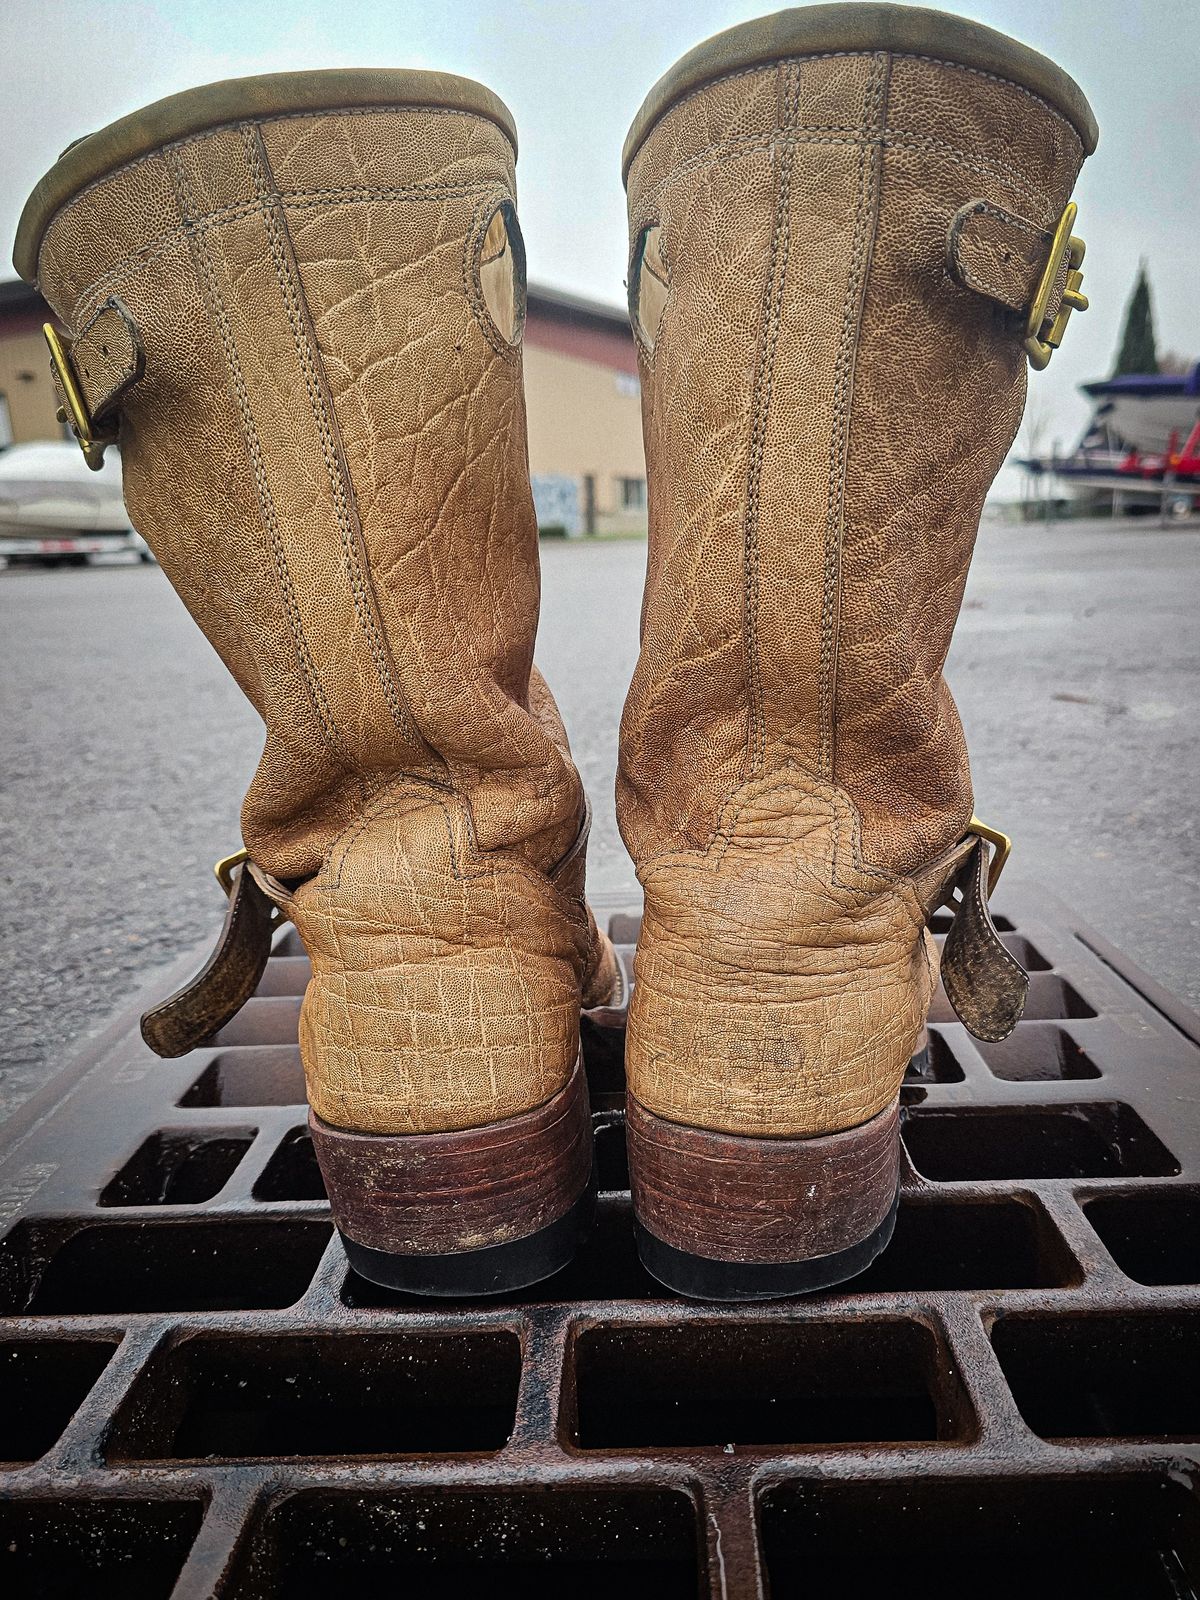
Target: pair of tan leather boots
x=297, y=301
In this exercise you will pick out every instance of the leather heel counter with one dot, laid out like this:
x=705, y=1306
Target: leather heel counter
x=445, y=988
x=780, y=983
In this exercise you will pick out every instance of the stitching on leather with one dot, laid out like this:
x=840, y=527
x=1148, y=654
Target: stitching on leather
x=167, y=151
x=646, y=350
x=965, y=245
x=489, y=864
x=473, y=287
x=989, y=290
x=777, y=264
x=866, y=211
x=113, y=371
x=985, y=208
x=838, y=55
x=292, y=292
x=292, y=199
x=834, y=133
x=789, y=775
x=734, y=149
x=258, y=468
x=899, y=139
x=954, y=991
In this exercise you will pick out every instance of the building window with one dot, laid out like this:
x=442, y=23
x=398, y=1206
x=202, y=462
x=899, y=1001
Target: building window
x=6, y=433
x=633, y=494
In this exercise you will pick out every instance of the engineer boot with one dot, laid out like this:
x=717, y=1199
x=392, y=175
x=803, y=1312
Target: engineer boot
x=849, y=224
x=296, y=303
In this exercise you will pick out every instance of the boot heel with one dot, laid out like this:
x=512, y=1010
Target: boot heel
x=478, y=1212
x=721, y=1216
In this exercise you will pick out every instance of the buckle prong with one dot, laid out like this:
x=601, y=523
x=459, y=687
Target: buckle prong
x=1001, y=850
x=223, y=869
x=75, y=411
x=1042, y=339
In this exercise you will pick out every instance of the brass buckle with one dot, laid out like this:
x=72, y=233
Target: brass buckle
x=1041, y=341
x=224, y=868
x=1001, y=850
x=75, y=412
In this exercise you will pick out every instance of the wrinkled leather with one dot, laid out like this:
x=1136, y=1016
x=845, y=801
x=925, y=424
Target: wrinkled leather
x=824, y=408
x=327, y=453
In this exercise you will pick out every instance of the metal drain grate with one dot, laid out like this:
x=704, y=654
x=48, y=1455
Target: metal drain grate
x=197, y=1397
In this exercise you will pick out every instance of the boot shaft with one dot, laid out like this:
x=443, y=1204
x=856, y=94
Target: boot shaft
x=827, y=397
x=299, y=301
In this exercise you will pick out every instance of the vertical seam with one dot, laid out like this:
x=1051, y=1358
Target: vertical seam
x=866, y=222
x=761, y=406
x=287, y=275
x=220, y=316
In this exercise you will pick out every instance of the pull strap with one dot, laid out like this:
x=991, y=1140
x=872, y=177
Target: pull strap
x=227, y=979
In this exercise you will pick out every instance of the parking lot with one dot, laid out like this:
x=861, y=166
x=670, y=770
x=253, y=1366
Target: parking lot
x=127, y=749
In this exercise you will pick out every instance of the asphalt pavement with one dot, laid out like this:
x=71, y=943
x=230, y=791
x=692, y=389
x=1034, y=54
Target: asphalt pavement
x=126, y=749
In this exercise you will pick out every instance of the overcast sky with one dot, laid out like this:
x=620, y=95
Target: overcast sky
x=574, y=74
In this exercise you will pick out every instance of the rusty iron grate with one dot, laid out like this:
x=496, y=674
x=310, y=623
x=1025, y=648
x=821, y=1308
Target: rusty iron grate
x=198, y=1398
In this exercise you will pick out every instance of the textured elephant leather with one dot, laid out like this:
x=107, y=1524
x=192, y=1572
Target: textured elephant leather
x=824, y=409
x=326, y=450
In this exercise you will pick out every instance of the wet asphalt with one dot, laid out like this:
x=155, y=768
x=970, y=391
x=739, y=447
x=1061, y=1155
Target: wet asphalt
x=126, y=749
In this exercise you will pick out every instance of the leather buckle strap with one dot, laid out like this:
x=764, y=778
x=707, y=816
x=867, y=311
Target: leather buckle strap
x=984, y=983
x=92, y=371
x=1025, y=268
x=228, y=978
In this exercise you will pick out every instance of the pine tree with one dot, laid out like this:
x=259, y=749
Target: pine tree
x=1137, y=353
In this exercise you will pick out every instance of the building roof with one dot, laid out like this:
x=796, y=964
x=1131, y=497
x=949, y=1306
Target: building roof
x=557, y=303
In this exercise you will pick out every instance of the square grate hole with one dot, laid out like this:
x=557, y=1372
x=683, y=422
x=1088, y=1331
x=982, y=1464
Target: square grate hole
x=55, y=1268
x=604, y=1063
x=763, y=1386
x=455, y=1544
x=285, y=975
x=269, y=1075
x=1094, y=1139
x=1079, y=1538
x=623, y=928
x=1104, y=1377
x=105, y=1549
x=935, y=1063
x=941, y=922
x=1001, y=1244
x=1050, y=998
x=1037, y=1052
x=273, y=1019
x=606, y=1267
x=292, y=1172
x=42, y=1384
x=253, y=1399
x=611, y=1157
x=1028, y=954
x=1153, y=1237
x=178, y=1169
